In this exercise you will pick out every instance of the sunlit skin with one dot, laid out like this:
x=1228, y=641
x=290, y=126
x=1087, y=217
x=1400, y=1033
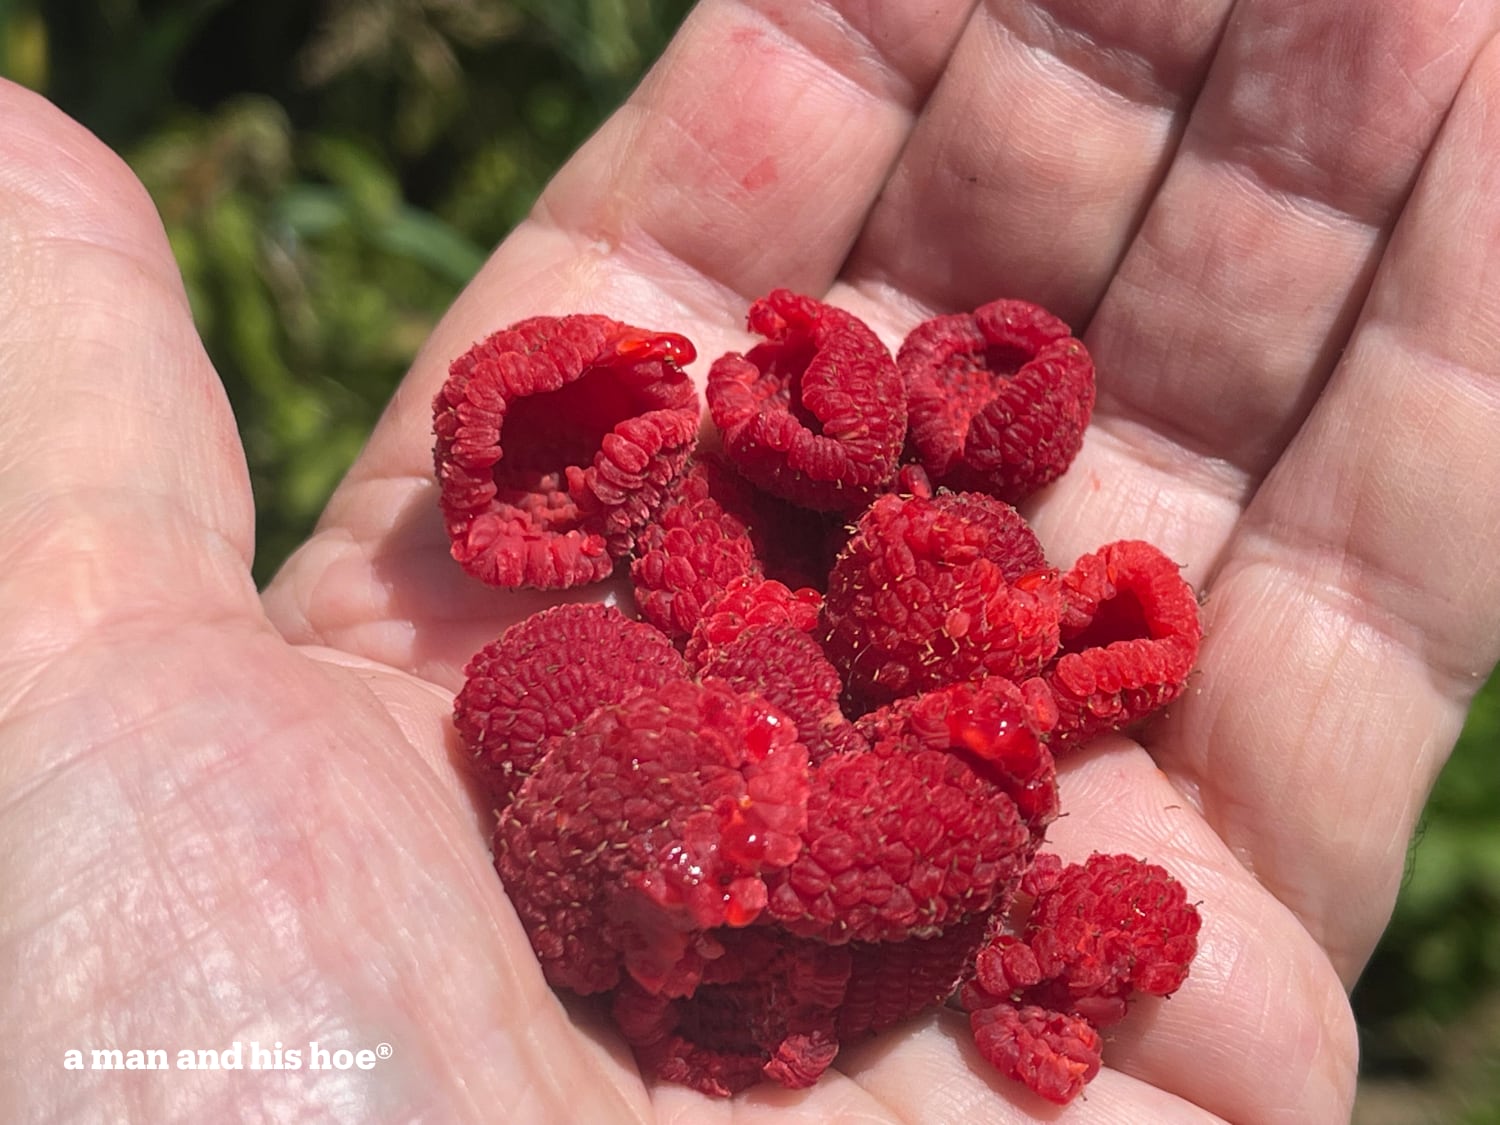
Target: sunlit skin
x=230, y=815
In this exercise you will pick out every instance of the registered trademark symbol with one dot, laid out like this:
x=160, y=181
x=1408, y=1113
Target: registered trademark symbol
x=383, y=1050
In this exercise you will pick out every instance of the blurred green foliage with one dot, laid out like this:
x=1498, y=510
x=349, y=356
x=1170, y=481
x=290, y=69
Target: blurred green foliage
x=331, y=173
x=1429, y=1003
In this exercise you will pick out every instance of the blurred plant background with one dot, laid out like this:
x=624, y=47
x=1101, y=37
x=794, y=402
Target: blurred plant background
x=331, y=172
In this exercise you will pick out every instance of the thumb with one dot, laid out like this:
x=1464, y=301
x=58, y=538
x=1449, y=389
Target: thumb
x=123, y=489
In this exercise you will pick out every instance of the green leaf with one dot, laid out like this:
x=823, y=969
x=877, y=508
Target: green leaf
x=426, y=239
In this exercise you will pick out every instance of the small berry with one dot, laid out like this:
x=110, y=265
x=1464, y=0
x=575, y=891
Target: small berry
x=926, y=593
x=1130, y=635
x=1051, y=1053
x=999, y=398
x=817, y=413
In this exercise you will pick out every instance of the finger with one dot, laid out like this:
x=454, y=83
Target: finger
x=1354, y=615
x=1037, y=154
x=748, y=159
x=1235, y=298
x=123, y=491
x=752, y=153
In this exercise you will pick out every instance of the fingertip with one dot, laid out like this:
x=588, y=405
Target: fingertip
x=58, y=179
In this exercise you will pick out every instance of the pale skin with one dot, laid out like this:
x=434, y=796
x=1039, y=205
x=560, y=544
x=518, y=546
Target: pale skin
x=230, y=815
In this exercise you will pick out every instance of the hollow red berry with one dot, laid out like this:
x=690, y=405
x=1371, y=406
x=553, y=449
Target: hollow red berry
x=817, y=413
x=557, y=439
x=998, y=398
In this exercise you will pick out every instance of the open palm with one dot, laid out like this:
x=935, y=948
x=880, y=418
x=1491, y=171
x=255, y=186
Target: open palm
x=228, y=817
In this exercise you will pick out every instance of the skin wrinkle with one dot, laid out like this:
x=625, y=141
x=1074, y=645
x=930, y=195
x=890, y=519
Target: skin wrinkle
x=1136, y=439
x=167, y=281
x=1229, y=325
x=56, y=195
x=1380, y=594
x=1244, y=158
x=701, y=262
x=634, y=243
x=160, y=500
x=1306, y=837
x=1447, y=366
x=1478, y=390
x=1103, y=44
x=124, y=1033
x=866, y=67
x=1360, y=614
x=230, y=520
x=701, y=267
x=964, y=190
x=54, y=514
x=58, y=769
x=1200, y=252
x=152, y=825
x=1339, y=172
x=398, y=974
x=76, y=206
x=116, y=762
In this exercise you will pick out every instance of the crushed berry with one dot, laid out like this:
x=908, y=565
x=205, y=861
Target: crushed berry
x=817, y=413
x=655, y=821
x=999, y=398
x=1098, y=933
x=557, y=440
x=1051, y=1053
x=543, y=677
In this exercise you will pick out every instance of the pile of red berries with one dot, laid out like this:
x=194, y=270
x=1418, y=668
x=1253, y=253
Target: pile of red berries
x=798, y=795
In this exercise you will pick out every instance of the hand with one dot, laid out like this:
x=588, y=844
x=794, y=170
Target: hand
x=231, y=817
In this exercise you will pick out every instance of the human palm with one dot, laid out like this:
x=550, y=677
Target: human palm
x=227, y=816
